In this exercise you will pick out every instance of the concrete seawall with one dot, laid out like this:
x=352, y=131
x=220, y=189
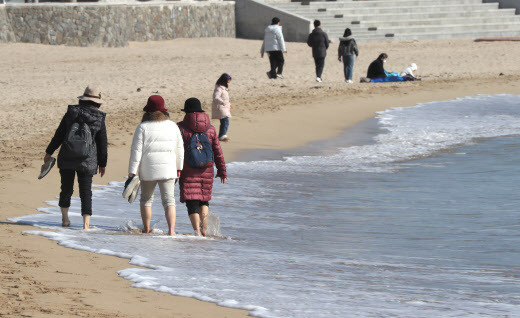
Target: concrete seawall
x=253, y=16
x=114, y=25
x=6, y=31
x=507, y=4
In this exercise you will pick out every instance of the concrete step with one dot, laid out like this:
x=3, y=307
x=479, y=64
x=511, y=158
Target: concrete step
x=357, y=4
x=330, y=23
x=409, y=19
x=425, y=36
x=511, y=26
x=363, y=19
x=418, y=16
x=400, y=10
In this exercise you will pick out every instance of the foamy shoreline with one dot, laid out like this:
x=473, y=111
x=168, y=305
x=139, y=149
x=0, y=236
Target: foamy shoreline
x=44, y=272
x=248, y=254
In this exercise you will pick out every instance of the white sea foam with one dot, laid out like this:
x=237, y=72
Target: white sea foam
x=413, y=132
x=340, y=235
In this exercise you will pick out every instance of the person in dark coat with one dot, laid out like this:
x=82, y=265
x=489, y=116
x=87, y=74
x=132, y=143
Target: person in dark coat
x=376, y=69
x=87, y=111
x=347, y=49
x=195, y=183
x=319, y=41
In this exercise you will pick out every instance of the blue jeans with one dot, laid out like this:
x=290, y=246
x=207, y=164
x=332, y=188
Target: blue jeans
x=224, y=125
x=348, y=63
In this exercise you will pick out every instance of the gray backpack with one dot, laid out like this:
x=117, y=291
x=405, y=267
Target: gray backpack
x=78, y=142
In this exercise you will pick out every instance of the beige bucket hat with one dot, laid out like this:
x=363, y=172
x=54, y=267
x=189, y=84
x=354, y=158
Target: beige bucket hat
x=92, y=93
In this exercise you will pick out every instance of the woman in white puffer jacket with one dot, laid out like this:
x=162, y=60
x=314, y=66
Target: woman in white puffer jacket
x=157, y=156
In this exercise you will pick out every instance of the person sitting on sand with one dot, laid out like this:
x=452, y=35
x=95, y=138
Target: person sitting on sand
x=376, y=69
x=408, y=72
x=221, y=108
x=274, y=45
x=82, y=136
x=157, y=156
x=196, y=183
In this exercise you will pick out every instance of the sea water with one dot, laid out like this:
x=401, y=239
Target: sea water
x=415, y=213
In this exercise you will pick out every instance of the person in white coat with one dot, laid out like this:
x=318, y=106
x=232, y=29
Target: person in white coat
x=157, y=156
x=274, y=45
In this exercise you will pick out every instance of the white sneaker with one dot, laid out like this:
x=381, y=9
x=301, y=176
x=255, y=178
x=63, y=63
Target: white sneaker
x=318, y=80
x=224, y=138
x=350, y=81
x=279, y=76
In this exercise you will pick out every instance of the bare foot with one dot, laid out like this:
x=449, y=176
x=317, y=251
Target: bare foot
x=65, y=223
x=202, y=232
x=171, y=233
x=86, y=221
x=145, y=231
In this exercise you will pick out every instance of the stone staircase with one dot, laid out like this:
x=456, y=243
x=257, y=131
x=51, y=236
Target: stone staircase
x=387, y=20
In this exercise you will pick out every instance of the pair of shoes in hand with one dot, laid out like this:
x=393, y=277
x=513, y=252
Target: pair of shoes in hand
x=132, y=186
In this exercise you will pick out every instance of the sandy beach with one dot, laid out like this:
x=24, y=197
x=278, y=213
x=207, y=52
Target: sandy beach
x=41, y=279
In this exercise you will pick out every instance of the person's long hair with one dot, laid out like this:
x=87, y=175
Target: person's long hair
x=347, y=33
x=155, y=116
x=223, y=80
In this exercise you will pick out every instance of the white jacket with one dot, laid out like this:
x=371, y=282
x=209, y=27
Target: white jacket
x=409, y=70
x=157, y=151
x=273, y=39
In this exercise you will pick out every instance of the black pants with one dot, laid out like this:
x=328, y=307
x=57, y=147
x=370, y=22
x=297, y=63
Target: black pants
x=276, y=59
x=194, y=206
x=320, y=64
x=85, y=190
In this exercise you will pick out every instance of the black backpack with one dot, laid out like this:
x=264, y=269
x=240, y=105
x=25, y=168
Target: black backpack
x=78, y=141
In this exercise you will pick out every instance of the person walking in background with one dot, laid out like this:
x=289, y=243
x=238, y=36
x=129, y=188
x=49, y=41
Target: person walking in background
x=157, y=156
x=221, y=108
x=346, y=50
x=82, y=136
x=274, y=45
x=196, y=182
x=376, y=69
x=319, y=41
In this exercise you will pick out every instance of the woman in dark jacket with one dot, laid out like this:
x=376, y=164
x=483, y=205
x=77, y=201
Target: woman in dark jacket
x=196, y=183
x=347, y=49
x=377, y=68
x=86, y=164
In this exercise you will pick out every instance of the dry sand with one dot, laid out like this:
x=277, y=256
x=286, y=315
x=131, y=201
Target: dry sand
x=41, y=279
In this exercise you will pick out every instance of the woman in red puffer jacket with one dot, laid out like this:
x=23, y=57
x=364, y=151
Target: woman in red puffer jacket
x=196, y=183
